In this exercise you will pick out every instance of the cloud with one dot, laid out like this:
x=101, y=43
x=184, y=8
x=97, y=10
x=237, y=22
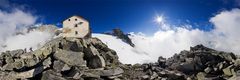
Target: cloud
x=166, y=42
x=17, y=21
x=171, y=39
x=226, y=30
x=33, y=40
x=10, y=21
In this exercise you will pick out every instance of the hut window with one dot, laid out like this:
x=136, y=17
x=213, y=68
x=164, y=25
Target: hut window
x=76, y=25
x=80, y=23
x=76, y=32
x=68, y=19
x=75, y=19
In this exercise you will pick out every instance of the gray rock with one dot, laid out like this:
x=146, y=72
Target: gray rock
x=10, y=66
x=153, y=76
x=70, y=58
x=16, y=53
x=75, y=73
x=208, y=70
x=51, y=75
x=47, y=62
x=94, y=59
x=229, y=71
x=187, y=67
x=59, y=66
x=201, y=76
x=145, y=77
x=237, y=62
x=21, y=75
x=111, y=72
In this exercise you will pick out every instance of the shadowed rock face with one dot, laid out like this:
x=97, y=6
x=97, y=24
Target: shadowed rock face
x=121, y=35
x=90, y=59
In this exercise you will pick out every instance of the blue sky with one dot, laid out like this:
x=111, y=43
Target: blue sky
x=129, y=15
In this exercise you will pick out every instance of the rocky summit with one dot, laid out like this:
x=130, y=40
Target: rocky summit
x=90, y=59
x=62, y=59
x=200, y=63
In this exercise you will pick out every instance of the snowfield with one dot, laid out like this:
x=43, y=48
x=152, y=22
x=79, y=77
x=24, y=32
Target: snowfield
x=126, y=53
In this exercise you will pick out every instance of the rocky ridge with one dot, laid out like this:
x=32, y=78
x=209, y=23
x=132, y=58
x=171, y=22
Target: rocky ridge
x=62, y=59
x=90, y=59
x=121, y=35
x=200, y=63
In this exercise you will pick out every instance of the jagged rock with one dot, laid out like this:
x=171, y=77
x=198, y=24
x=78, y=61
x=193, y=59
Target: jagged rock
x=119, y=34
x=162, y=61
x=236, y=76
x=43, y=52
x=154, y=76
x=229, y=56
x=91, y=74
x=145, y=77
x=6, y=76
x=30, y=59
x=187, y=67
x=208, y=70
x=70, y=58
x=75, y=73
x=229, y=71
x=9, y=60
x=25, y=60
x=51, y=75
x=111, y=72
x=16, y=53
x=59, y=66
x=94, y=60
x=201, y=76
x=30, y=73
x=108, y=74
x=73, y=58
x=237, y=62
x=17, y=65
x=200, y=48
x=61, y=59
x=1, y=62
x=190, y=64
x=47, y=62
x=21, y=75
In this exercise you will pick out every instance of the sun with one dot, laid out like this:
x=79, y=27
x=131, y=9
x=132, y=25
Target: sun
x=159, y=19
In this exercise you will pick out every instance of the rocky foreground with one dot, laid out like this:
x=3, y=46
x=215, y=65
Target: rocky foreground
x=90, y=59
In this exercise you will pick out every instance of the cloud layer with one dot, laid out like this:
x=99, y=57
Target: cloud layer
x=17, y=21
x=166, y=42
x=172, y=39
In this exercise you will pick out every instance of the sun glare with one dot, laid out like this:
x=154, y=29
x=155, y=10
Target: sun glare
x=159, y=19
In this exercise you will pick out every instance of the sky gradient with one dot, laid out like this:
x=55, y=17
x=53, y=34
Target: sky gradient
x=129, y=15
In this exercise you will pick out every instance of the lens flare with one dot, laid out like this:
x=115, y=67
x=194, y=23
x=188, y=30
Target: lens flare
x=159, y=19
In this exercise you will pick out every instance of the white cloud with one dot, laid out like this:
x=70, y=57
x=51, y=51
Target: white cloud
x=15, y=21
x=225, y=36
x=226, y=32
x=33, y=39
x=166, y=42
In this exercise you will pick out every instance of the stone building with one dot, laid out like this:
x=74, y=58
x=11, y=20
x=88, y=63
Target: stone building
x=77, y=27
